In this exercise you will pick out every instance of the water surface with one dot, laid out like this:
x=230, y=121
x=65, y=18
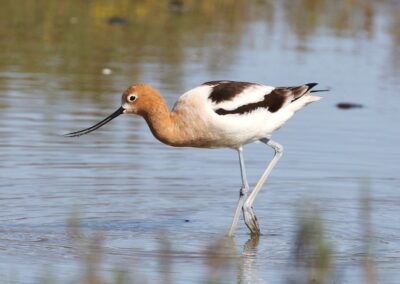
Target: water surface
x=141, y=195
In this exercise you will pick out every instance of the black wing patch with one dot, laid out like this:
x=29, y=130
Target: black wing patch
x=272, y=101
x=226, y=90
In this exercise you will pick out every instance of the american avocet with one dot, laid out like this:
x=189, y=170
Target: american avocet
x=219, y=114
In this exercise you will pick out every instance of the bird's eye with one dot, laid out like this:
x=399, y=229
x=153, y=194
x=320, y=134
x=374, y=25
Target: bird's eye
x=132, y=98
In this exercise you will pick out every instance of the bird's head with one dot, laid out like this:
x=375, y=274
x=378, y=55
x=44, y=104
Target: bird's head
x=138, y=99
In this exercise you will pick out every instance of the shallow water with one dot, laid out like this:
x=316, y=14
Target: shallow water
x=141, y=195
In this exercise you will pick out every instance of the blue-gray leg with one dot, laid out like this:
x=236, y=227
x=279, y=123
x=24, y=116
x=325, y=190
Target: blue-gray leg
x=249, y=217
x=242, y=194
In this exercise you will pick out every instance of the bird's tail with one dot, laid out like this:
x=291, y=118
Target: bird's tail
x=312, y=85
x=323, y=90
x=303, y=97
x=309, y=90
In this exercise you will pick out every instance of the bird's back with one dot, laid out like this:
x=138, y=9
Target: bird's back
x=230, y=114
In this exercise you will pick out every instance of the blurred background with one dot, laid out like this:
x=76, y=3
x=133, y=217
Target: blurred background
x=118, y=206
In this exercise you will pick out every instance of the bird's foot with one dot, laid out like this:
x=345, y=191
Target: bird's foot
x=251, y=221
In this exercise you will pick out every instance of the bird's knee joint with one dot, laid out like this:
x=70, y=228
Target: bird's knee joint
x=278, y=149
x=244, y=190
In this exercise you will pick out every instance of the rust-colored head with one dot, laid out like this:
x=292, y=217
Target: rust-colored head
x=140, y=99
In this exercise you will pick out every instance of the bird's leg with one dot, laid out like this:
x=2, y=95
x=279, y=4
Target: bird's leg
x=249, y=217
x=242, y=194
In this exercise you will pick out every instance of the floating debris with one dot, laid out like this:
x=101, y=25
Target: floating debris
x=106, y=71
x=348, y=105
x=117, y=21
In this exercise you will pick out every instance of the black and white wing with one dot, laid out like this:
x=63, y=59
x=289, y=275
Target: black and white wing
x=231, y=97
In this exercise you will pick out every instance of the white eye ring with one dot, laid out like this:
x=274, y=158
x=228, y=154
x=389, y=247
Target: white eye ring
x=132, y=98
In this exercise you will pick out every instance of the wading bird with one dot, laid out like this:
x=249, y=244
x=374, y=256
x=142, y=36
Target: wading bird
x=219, y=114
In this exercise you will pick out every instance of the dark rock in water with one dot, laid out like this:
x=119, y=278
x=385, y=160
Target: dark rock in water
x=348, y=105
x=117, y=21
x=176, y=6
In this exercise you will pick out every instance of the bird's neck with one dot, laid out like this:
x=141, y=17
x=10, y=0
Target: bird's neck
x=163, y=124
